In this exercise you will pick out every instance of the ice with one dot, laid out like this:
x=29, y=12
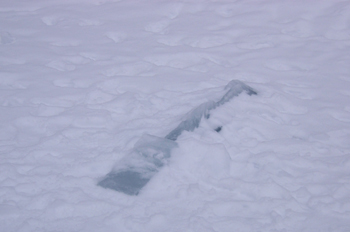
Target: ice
x=151, y=153
x=137, y=168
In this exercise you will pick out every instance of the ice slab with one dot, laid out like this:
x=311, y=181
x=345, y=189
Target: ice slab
x=143, y=162
x=150, y=153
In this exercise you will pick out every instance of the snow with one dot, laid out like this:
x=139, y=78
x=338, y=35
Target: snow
x=82, y=81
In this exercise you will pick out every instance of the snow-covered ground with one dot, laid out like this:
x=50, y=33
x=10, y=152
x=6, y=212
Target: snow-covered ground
x=82, y=80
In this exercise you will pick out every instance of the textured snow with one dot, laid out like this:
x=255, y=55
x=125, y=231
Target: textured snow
x=81, y=81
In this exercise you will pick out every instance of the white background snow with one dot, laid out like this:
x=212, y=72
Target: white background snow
x=82, y=80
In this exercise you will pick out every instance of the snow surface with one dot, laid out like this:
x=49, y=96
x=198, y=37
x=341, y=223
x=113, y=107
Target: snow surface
x=82, y=80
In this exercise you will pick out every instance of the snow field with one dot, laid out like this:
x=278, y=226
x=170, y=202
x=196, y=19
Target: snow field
x=81, y=81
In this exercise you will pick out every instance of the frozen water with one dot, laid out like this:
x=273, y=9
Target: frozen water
x=151, y=153
x=137, y=168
